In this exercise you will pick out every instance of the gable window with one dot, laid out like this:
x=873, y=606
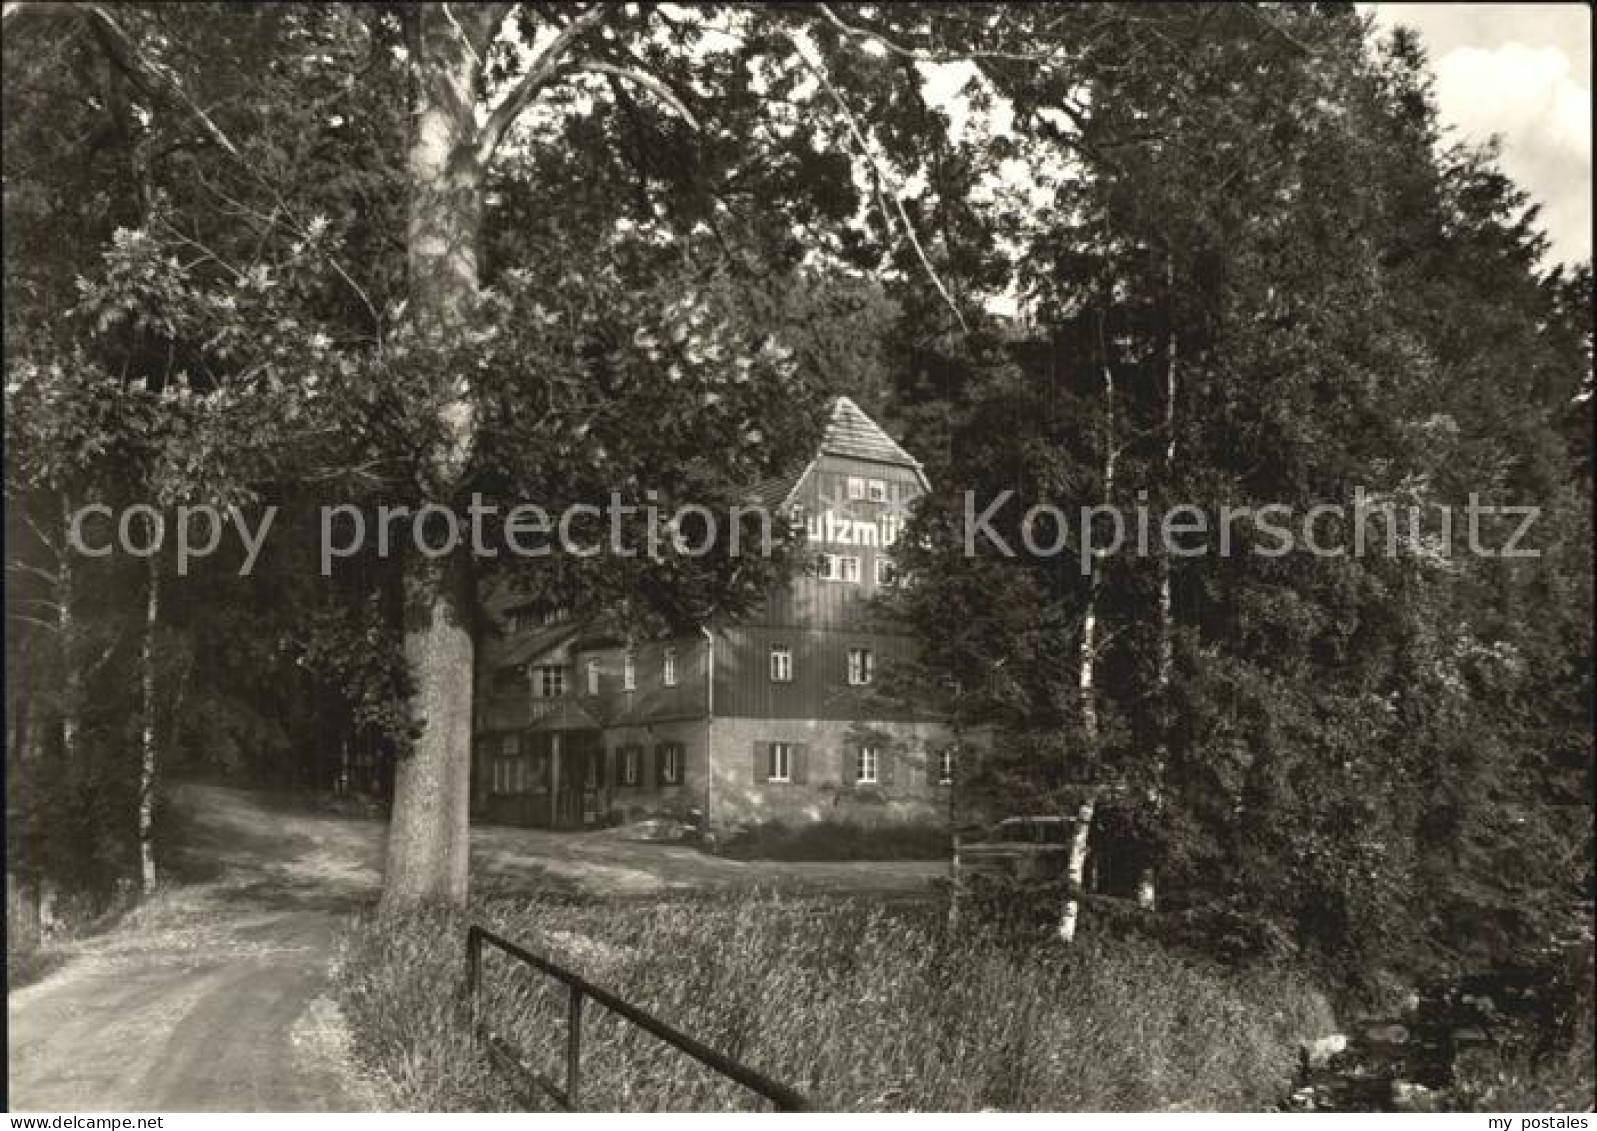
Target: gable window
x=671, y=757
x=593, y=677
x=629, y=673
x=549, y=681
x=779, y=768
x=631, y=771
x=781, y=663
x=865, y=765
x=860, y=666
x=886, y=571
x=668, y=667
x=849, y=568
x=856, y=487
x=876, y=491
x=945, y=766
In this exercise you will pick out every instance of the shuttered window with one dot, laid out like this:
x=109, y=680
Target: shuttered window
x=669, y=762
x=866, y=763
x=781, y=763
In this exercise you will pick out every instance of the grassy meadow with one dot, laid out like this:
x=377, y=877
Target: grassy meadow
x=859, y=1008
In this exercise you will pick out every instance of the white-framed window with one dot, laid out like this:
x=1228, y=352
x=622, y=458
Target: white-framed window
x=629, y=672
x=886, y=570
x=876, y=491
x=668, y=667
x=861, y=666
x=945, y=766
x=848, y=568
x=781, y=663
x=865, y=765
x=779, y=766
x=827, y=568
x=549, y=681
x=671, y=756
x=630, y=768
x=856, y=487
x=593, y=677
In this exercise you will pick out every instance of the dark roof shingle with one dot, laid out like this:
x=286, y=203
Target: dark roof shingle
x=849, y=432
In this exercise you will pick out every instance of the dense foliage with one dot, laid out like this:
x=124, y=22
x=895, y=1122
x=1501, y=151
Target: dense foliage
x=1292, y=293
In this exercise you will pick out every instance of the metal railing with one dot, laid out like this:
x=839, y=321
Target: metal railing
x=580, y=989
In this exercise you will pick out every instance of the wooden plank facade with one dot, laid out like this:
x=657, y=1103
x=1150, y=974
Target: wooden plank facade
x=775, y=717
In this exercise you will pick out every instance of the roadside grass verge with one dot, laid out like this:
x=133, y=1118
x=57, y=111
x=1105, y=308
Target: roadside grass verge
x=858, y=1007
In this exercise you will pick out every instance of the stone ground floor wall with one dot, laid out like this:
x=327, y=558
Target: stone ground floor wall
x=725, y=777
x=823, y=786
x=651, y=798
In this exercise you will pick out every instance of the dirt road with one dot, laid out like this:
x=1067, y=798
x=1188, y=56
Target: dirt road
x=217, y=995
x=214, y=996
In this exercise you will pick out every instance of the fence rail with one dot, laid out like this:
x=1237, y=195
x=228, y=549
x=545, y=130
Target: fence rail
x=580, y=990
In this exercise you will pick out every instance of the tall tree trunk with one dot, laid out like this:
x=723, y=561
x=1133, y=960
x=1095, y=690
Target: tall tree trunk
x=956, y=863
x=1087, y=683
x=71, y=703
x=69, y=706
x=429, y=833
x=149, y=752
x=24, y=883
x=1147, y=882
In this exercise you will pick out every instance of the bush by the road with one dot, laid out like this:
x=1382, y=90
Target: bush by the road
x=836, y=840
x=860, y=1009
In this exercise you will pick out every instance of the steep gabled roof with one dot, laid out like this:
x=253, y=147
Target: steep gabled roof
x=849, y=433
x=522, y=647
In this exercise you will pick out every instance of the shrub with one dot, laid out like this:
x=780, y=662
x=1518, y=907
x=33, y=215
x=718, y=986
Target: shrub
x=859, y=1008
x=836, y=840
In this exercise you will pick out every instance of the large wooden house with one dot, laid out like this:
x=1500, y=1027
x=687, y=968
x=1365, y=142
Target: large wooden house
x=776, y=716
